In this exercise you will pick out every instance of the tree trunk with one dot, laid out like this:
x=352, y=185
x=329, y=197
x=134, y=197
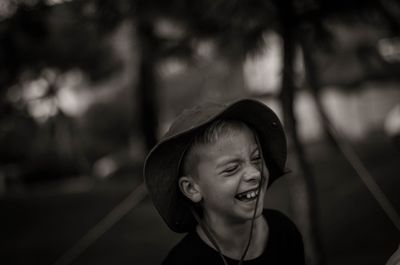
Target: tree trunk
x=304, y=192
x=337, y=140
x=147, y=96
x=314, y=83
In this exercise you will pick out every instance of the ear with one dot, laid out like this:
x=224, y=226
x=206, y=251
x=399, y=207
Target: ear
x=190, y=188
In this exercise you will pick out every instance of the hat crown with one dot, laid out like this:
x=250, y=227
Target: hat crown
x=191, y=118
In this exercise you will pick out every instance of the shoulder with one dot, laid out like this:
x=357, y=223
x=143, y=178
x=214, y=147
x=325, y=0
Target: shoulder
x=285, y=237
x=190, y=250
x=278, y=220
x=272, y=213
x=180, y=252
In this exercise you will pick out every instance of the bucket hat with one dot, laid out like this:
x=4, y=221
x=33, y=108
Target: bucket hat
x=163, y=163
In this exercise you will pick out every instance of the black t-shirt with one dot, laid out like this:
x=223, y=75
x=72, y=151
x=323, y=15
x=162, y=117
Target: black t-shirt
x=284, y=246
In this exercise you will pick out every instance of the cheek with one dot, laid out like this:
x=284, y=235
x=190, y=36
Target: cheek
x=220, y=190
x=266, y=174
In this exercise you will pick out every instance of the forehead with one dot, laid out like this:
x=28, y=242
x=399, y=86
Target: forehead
x=235, y=141
x=223, y=134
x=219, y=129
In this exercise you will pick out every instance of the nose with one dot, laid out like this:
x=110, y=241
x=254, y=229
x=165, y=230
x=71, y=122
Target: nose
x=252, y=173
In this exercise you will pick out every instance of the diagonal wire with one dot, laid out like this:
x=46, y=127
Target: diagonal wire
x=119, y=211
x=348, y=152
x=365, y=176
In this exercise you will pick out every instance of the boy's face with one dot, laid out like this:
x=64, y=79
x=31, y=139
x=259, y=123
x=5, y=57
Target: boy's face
x=228, y=177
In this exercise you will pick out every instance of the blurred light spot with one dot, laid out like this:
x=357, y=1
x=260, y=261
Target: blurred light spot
x=104, y=167
x=56, y=2
x=71, y=99
x=205, y=49
x=65, y=94
x=71, y=102
x=35, y=89
x=389, y=49
x=7, y=8
x=392, y=121
x=172, y=67
x=168, y=28
x=41, y=110
x=262, y=72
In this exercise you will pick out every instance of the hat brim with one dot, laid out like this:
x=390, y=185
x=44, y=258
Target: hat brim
x=161, y=170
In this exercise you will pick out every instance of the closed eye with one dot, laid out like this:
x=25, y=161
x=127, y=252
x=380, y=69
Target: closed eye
x=256, y=158
x=231, y=169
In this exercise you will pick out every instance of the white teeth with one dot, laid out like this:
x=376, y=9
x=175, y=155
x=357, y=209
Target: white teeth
x=248, y=195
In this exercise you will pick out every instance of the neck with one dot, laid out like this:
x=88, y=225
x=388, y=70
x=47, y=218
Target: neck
x=232, y=238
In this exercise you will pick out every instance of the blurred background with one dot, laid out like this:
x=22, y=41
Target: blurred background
x=88, y=86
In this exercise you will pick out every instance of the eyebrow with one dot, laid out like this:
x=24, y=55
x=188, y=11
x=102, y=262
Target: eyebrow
x=231, y=159
x=255, y=150
x=227, y=160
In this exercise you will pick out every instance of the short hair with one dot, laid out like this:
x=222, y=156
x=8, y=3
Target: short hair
x=208, y=135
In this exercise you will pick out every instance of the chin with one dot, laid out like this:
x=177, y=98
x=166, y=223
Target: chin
x=259, y=211
x=250, y=212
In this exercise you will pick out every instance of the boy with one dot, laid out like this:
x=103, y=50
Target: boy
x=208, y=177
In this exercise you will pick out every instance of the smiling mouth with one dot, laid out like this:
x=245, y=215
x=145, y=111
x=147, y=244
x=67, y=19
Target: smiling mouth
x=247, y=195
